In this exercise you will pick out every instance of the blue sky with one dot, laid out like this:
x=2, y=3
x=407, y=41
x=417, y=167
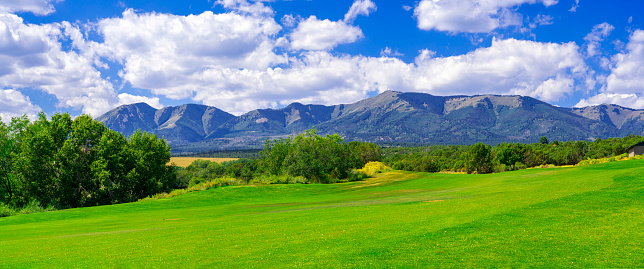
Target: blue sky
x=238, y=55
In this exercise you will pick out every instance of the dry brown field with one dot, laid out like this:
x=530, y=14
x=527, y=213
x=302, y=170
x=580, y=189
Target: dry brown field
x=185, y=161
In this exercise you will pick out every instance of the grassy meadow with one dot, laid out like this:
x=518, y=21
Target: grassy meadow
x=587, y=216
x=185, y=161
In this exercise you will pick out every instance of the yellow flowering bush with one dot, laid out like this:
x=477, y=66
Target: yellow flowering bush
x=372, y=168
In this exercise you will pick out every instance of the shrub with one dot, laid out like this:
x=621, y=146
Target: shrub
x=6, y=211
x=278, y=179
x=215, y=183
x=372, y=168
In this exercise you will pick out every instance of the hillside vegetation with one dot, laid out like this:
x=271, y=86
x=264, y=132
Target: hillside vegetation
x=587, y=216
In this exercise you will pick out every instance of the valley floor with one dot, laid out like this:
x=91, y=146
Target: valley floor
x=584, y=217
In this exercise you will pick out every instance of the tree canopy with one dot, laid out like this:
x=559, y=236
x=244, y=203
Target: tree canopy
x=68, y=162
x=317, y=158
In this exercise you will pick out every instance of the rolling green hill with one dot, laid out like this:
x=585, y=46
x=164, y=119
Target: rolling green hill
x=589, y=216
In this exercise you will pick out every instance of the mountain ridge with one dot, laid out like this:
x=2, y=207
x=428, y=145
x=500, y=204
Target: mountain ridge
x=389, y=117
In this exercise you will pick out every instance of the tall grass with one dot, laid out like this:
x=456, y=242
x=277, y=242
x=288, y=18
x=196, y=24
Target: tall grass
x=215, y=183
x=31, y=207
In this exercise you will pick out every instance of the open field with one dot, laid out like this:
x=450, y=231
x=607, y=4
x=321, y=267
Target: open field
x=185, y=161
x=589, y=216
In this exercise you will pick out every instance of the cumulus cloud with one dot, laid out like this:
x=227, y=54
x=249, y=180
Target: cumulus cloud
x=126, y=99
x=15, y=104
x=625, y=100
x=359, y=7
x=315, y=34
x=546, y=71
x=243, y=6
x=161, y=51
x=542, y=70
x=229, y=60
x=38, y=7
x=289, y=20
x=627, y=75
x=470, y=16
x=35, y=59
x=598, y=34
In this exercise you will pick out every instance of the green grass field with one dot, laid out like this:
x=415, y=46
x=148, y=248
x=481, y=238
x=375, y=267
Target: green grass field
x=590, y=216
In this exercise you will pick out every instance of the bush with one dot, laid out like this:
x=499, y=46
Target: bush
x=372, y=168
x=278, y=179
x=500, y=168
x=215, y=183
x=6, y=211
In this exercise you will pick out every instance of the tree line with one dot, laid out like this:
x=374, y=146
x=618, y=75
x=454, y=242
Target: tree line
x=64, y=163
x=306, y=157
x=482, y=158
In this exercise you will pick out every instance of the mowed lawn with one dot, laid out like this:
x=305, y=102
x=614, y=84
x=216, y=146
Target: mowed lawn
x=590, y=216
x=185, y=161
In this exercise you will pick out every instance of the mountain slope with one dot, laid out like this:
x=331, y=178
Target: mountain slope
x=128, y=118
x=388, y=117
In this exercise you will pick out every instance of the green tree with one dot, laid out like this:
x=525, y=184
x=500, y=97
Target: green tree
x=274, y=154
x=147, y=157
x=479, y=158
x=110, y=168
x=311, y=156
x=6, y=162
x=10, y=136
x=510, y=154
x=367, y=152
x=73, y=163
x=37, y=164
x=543, y=140
x=78, y=185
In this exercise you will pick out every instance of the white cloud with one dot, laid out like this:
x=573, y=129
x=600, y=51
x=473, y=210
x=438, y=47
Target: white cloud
x=471, y=16
x=228, y=60
x=161, y=52
x=315, y=34
x=598, y=34
x=36, y=60
x=126, y=99
x=546, y=71
x=15, y=104
x=243, y=6
x=625, y=100
x=541, y=20
x=627, y=75
x=359, y=7
x=424, y=55
x=289, y=21
x=542, y=70
x=574, y=6
x=388, y=52
x=38, y=7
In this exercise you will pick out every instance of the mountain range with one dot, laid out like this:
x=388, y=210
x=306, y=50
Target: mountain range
x=390, y=117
